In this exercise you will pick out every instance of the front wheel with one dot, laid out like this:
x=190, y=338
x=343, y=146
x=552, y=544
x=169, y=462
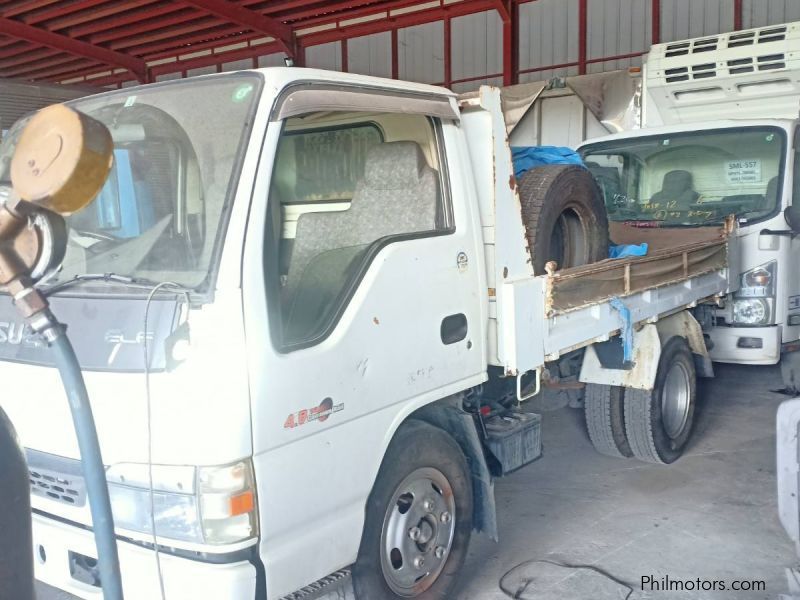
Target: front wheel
x=418, y=518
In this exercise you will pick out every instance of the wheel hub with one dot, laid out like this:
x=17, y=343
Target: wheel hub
x=675, y=399
x=417, y=532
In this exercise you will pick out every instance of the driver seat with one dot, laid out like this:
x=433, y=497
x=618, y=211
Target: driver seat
x=676, y=187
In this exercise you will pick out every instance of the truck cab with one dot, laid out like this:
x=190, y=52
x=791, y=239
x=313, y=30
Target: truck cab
x=718, y=136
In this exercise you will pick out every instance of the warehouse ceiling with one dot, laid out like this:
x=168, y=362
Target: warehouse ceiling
x=106, y=42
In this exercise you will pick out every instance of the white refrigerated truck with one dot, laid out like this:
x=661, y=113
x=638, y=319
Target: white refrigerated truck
x=678, y=128
x=307, y=306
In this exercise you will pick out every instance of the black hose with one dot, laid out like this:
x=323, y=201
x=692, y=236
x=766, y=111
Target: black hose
x=93, y=469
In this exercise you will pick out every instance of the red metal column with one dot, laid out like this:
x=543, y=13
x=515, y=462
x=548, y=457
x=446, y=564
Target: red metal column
x=448, y=54
x=514, y=42
x=345, y=66
x=395, y=57
x=655, y=8
x=583, y=20
x=510, y=37
x=738, y=14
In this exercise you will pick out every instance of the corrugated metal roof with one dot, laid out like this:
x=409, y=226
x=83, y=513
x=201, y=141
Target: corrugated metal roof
x=18, y=98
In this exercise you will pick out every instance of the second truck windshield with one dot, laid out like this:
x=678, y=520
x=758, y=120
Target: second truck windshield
x=691, y=178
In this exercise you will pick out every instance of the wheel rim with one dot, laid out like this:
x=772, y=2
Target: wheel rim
x=417, y=532
x=568, y=240
x=675, y=399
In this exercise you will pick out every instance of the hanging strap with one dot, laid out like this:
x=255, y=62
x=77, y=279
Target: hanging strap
x=627, y=329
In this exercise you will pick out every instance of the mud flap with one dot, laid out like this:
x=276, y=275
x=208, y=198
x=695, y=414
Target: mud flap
x=449, y=416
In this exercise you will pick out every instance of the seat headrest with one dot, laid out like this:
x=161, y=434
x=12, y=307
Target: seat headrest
x=772, y=189
x=394, y=165
x=677, y=182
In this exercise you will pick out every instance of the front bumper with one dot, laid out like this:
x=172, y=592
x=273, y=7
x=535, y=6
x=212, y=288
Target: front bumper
x=727, y=348
x=183, y=578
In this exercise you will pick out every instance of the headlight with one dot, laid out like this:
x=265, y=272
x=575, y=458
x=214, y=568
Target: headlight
x=204, y=505
x=758, y=282
x=751, y=311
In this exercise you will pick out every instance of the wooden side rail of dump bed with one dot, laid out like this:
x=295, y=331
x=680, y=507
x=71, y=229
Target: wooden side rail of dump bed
x=544, y=317
x=674, y=255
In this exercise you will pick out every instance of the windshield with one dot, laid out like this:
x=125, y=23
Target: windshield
x=690, y=178
x=161, y=211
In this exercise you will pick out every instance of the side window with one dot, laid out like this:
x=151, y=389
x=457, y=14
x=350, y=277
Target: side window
x=343, y=186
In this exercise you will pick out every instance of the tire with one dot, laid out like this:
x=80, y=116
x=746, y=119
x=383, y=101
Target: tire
x=564, y=215
x=659, y=421
x=420, y=463
x=603, y=407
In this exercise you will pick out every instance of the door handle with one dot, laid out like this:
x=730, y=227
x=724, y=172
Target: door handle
x=454, y=328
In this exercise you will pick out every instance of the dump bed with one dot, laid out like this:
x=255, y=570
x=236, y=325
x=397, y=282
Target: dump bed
x=534, y=319
x=674, y=256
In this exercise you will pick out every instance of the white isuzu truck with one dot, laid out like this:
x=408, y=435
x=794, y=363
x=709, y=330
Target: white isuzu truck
x=675, y=162
x=308, y=306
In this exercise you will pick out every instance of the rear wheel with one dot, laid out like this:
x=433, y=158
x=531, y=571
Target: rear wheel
x=603, y=407
x=418, y=520
x=659, y=421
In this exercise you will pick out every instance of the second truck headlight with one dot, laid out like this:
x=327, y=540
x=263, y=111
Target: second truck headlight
x=202, y=505
x=752, y=303
x=750, y=311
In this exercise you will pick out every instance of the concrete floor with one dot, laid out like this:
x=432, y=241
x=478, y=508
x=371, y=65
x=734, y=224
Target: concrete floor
x=712, y=515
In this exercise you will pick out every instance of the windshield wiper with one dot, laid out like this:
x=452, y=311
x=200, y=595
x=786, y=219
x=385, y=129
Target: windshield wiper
x=126, y=280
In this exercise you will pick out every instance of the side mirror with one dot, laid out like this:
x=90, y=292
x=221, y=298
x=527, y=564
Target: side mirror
x=792, y=216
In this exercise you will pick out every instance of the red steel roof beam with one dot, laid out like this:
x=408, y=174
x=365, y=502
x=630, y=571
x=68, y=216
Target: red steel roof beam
x=208, y=45
x=271, y=8
x=115, y=7
x=327, y=10
x=186, y=44
x=250, y=19
x=63, y=43
x=355, y=13
x=17, y=49
x=195, y=21
x=145, y=17
x=28, y=57
x=174, y=34
x=61, y=10
x=61, y=61
x=77, y=65
x=467, y=7
x=22, y=7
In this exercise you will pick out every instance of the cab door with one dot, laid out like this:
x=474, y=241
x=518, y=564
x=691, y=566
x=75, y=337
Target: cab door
x=362, y=295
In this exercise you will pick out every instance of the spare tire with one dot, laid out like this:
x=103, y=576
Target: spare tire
x=564, y=216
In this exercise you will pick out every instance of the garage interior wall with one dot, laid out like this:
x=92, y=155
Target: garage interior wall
x=547, y=38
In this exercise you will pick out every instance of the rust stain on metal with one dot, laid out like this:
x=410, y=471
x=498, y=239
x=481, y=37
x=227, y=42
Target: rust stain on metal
x=376, y=321
x=492, y=292
x=512, y=182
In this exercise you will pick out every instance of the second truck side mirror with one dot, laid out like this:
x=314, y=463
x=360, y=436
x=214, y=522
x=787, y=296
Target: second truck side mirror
x=792, y=216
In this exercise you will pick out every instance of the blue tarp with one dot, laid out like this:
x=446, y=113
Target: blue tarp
x=529, y=157
x=626, y=250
